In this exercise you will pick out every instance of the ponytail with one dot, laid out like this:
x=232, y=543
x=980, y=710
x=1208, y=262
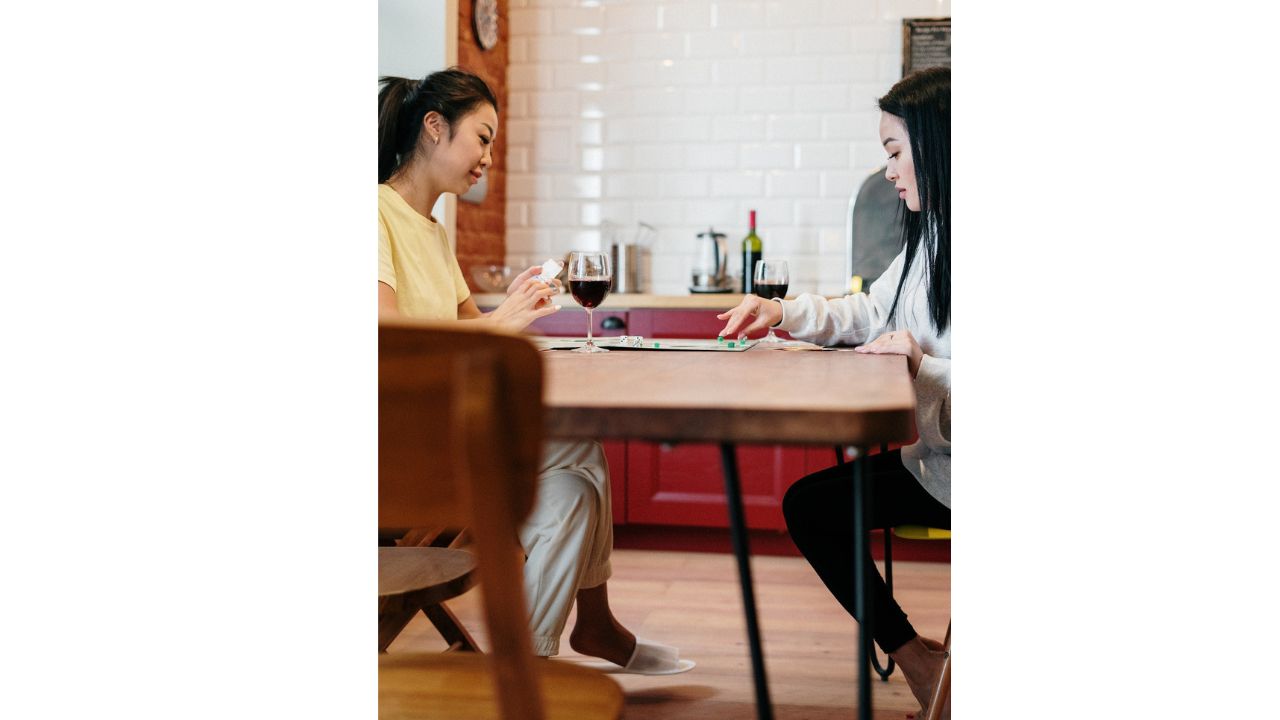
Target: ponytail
x=391, y=102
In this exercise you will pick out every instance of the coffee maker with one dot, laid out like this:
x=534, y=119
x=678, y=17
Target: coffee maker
x=710, y=264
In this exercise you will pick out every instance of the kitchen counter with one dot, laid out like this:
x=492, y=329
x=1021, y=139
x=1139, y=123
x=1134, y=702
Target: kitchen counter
x=618, y=301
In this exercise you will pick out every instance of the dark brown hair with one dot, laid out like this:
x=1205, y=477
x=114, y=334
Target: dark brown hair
x=923, y=101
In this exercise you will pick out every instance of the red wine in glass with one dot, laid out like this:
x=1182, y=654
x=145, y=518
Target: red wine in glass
x=771, y=282
x=589, y=280
x=769, y=291
x=589, y=293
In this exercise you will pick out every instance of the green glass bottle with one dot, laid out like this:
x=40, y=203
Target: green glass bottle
x=751, y=252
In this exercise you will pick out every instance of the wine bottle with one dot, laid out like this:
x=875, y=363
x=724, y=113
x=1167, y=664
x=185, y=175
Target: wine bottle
x=751, y=252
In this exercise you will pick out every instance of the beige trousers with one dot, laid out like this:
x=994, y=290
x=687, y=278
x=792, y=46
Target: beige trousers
x=568, y=538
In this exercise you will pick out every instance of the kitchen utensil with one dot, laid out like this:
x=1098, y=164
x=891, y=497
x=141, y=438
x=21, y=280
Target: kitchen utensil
x=710, y=263
x=629, y=258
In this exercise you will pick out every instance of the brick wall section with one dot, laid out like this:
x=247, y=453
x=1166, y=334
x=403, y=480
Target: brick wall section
x=481, y=228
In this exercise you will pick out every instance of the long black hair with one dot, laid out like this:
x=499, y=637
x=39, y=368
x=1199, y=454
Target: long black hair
x=403, y=103
x=923, y=101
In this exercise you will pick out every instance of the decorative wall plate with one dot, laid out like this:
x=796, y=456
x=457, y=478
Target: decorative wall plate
x=484, y=15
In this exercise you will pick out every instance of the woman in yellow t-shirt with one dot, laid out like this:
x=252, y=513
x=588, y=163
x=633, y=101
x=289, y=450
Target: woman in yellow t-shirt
x=435, y=136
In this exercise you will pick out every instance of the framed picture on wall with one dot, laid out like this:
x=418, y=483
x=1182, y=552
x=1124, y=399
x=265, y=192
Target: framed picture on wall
x=926, y=42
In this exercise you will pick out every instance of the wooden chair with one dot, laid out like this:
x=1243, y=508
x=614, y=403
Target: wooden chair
x=873, y=230
x=418, y=571
x=459, y=442
x=413, y=579
x=942, y=689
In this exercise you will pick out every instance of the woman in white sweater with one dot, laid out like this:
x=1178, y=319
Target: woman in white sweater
x=907, y=312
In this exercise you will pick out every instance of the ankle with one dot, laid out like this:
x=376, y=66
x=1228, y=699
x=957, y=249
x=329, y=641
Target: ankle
x=930, y=643
x=611, y=642
x=911, y=653
x=607, y=631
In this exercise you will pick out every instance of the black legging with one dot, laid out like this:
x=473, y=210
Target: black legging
x=819, y=512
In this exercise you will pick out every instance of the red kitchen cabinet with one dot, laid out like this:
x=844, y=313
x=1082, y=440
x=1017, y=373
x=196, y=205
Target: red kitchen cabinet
x=684, y=485
x=572, y=322
x=676, y=323
x=820, y=458
x=681, y=324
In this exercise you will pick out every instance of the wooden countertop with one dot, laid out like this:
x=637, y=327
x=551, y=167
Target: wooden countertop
x=618, y=301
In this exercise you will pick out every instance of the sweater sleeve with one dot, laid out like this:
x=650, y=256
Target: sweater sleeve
x=850, y=320
x=933, y=403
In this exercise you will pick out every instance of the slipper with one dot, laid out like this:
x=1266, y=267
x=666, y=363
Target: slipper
x=647, y=659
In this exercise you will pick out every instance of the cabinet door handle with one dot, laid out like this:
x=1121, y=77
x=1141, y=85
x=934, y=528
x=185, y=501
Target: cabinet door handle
x=613, y=322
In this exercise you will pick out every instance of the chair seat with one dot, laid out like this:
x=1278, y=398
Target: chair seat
x=430, y=574
x=920, y=532
x=423, y=686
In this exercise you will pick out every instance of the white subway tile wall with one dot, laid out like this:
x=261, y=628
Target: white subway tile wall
x=688, y=114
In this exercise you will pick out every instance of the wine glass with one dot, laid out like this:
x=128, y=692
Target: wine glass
x=771, y=280
x=589, y=280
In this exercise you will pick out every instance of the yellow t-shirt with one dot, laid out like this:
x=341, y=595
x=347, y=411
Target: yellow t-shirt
x=415, y=259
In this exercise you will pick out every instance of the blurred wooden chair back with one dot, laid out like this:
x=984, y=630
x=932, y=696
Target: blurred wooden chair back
x=462, y=408
x=873, y=229
x=460, y=432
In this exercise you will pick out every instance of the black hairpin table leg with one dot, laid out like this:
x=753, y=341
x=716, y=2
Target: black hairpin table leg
x=861, y=504
x=738, y=529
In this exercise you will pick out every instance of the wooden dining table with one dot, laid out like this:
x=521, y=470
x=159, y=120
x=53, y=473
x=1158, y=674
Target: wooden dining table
x=761, y=395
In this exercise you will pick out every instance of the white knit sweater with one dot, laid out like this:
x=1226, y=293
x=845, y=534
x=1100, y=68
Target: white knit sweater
x=857, y=319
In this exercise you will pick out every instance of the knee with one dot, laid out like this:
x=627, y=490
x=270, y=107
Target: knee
x=568, y=495
x=595, y=455
x=796, y=503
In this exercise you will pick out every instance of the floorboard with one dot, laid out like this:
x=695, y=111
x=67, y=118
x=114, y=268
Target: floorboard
x=692, y=600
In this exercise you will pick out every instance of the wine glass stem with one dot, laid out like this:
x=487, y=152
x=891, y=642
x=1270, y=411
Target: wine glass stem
x=590, y=325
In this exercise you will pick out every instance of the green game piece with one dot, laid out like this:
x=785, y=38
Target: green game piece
x=732, y=343
x=720, y=338
x=655, y=345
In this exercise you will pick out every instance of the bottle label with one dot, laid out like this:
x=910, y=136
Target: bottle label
x=749, y=259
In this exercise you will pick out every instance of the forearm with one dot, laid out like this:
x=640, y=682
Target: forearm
x=849, y=320
x=468, y=310
x=933, y=402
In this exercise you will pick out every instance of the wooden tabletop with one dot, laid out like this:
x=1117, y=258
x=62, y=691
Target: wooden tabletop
x=757, y=396
x=623, y=301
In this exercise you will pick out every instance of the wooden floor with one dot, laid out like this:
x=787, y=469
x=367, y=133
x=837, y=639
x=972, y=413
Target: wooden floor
x=692, y=600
